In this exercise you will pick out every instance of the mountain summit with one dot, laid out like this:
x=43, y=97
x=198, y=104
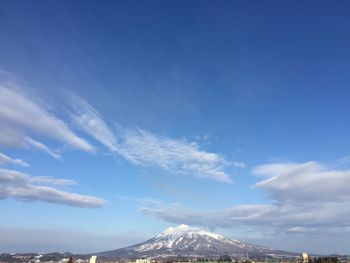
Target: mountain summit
x=184, y=241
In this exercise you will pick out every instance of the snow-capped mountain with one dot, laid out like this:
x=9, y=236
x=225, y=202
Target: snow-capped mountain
x=183, y=241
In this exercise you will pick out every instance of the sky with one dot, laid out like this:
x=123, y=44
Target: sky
x=121, y=118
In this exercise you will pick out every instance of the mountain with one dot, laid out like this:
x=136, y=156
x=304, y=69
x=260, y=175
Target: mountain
x=183, y=241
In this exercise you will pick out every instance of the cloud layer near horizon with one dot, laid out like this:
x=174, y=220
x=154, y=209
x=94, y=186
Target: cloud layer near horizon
x=306, y=198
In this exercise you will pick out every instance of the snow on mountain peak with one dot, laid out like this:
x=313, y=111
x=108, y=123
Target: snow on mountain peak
x=183, y=226
x=173, y=233
x=181, y=229
x=174, y=236
x=189, y=241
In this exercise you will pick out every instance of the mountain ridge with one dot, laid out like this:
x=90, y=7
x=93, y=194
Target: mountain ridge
x=184, y=241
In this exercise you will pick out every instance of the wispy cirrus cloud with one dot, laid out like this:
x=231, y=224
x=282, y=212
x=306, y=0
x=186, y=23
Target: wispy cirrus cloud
x=306, y=197
x=21, y=115
x=139, y=147
x=179, y=156
x=48, y=180
x=90, y=121
x=146, y=149
x=239, y=165
x=6, y=159
x=42, y=147
x=21, y=186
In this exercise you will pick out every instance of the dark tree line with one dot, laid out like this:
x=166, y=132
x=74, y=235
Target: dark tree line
x=324, y=260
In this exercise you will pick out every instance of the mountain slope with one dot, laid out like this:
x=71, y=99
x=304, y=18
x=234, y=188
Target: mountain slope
x=183, y=241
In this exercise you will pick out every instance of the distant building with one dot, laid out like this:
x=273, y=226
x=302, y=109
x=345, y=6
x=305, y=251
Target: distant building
x=142, y=261
x=305, y=257
x=93, y=259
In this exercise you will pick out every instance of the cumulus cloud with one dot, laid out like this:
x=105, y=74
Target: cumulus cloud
x=306, y=197
x=20, y=115
x=24, y=187
x=6, y=159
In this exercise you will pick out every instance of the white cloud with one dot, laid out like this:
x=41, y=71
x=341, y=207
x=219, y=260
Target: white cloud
x=143, y=148
x=274, y=169
x=90, y=121
x=51, y=181
x=306, y=182
x=305, y=197
x=11, y=137
x=23, y=115
x=281, y=217
x=239, y=164
x=42, y=147
x=141, y=201
x=6, y=159
x=24, y=187
x=226, y=217
x=178, y=156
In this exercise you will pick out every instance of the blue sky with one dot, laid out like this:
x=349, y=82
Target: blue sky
x=118, y=119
